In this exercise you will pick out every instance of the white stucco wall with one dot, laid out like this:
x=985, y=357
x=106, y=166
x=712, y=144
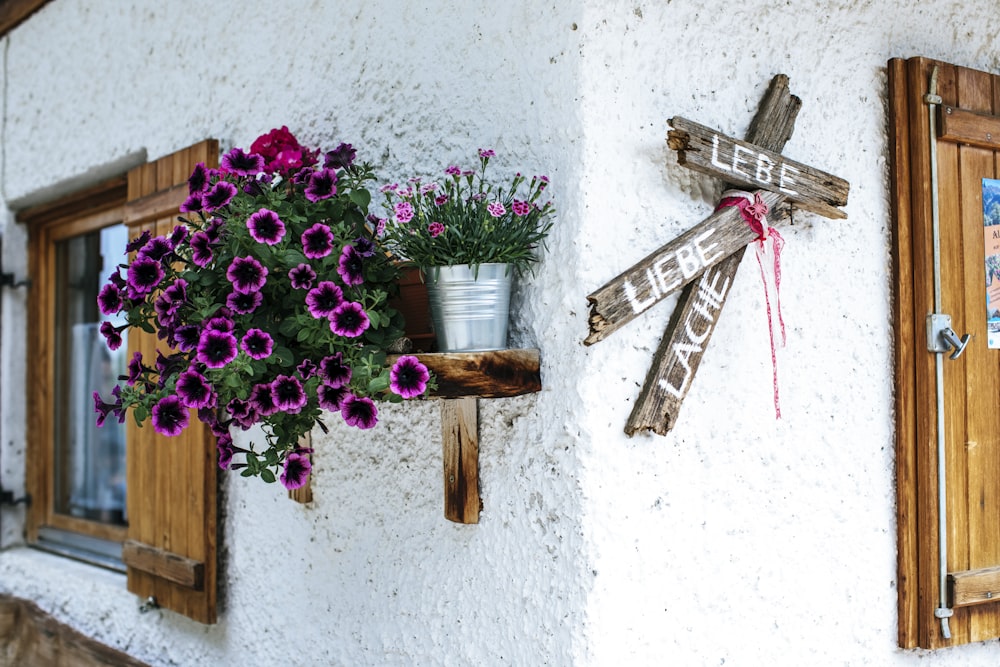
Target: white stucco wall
x=736, y=540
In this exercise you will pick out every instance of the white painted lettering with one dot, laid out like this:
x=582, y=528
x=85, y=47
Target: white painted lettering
x=737, y=160
x=764, y=164
x=693, y=336
x=704, y=250
x=785, y=180
x=715, y=154
x=687, y=260
x=716, y=292
x=668, y=278
x=631, y=294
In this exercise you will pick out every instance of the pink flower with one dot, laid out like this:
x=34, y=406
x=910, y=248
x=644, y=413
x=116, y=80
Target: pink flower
x=453, y=170
x=441, y=200
x=496, y=209
x=404, y=212
x=435, y=229
x=486, y=153
x=520, y=207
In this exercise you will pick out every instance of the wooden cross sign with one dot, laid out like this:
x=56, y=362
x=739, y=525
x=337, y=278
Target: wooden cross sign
x=702, y=262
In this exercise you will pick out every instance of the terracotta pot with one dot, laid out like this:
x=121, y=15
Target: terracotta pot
x=412, y=302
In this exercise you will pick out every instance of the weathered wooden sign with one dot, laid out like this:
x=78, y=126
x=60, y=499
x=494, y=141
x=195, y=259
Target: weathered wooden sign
x=703, y=261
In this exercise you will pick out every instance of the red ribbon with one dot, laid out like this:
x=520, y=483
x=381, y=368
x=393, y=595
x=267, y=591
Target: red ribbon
x=754, y=211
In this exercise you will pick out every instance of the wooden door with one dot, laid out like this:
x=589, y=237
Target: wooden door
x=967, y=123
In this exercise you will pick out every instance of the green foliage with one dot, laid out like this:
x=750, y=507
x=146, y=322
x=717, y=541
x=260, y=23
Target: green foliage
x=466, y=220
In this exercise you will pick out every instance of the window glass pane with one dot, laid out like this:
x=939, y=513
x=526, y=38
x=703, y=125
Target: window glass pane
x=89, y=475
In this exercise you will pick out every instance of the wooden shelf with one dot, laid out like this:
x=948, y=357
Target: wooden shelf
x=463, y=378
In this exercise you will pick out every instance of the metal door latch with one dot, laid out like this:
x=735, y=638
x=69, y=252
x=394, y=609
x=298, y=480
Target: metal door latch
x=941, y=337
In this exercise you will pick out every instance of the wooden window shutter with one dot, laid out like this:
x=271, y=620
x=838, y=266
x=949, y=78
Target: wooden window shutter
x=172, y=502
x=967, y=124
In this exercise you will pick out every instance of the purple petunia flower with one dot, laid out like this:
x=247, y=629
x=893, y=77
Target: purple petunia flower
x=187, y=337
x=103, y=409
x=435, y=229
x=408, y=377
x=349, y=320
x=109, y=299
x=496, y=209
x=193, y=203
x=324, y=299
x=112, y=335
x=220, y=322
x=359, y=411
x=365, y=246
x=177, y=292
x=214, y=229
x=156, y=248
x=179, y=235
x=216, y=348
x=221, y=194
x=135, y=369
x=169, y=416
x=193, y=390
x=201, y=249
x=246, y=274
x=302, y=276
x=242, y=163
x=244, y=304
x=262, y=400
x=351, y=266
x=331, y=398
x=340, y=157
x=144, y=274
x=317, y=241
x=289, y=396
x=138, y=241
x=242, y=412
x=224, y=445
x=322, y=185
x=307, y=368
x=198, y=180
x=333, y=371
x=296, y=472
x=266, y=227
x=257, y=343
x=403, y=211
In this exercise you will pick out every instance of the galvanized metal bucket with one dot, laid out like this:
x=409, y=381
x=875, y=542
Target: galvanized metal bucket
x=470, y=306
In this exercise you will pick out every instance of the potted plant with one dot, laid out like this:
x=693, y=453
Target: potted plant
x=469, y=238
x=271, y=300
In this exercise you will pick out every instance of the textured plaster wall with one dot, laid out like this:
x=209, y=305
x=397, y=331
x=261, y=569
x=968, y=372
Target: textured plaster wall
x=735, y=540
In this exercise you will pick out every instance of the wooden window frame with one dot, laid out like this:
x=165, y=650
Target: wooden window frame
x=81, y=213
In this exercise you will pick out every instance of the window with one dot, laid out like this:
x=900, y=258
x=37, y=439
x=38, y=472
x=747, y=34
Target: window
x=965, y=584
x=120, y=496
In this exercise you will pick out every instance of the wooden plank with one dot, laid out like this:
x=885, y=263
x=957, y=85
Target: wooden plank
x=670, y=268
x=693, y=321
x=752, y=167
x=969, y=127
x=497, y=374
x=460, y=449
x=173, y=567
x=905, y=351
x=29, y=637
x=14, y=12
x=155, y=205
x=974, y=586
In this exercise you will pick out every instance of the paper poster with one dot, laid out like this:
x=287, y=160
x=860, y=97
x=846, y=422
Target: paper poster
x=991, y=234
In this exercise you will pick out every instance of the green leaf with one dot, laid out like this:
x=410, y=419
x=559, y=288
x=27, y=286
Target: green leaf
x=268, y=476
x=361, y=197
x=379, y=384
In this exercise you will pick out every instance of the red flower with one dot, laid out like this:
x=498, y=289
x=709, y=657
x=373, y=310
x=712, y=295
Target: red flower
x=282, y=152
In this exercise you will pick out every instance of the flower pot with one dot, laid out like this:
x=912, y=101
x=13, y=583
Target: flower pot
x=469, y=306
x=412, y=303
